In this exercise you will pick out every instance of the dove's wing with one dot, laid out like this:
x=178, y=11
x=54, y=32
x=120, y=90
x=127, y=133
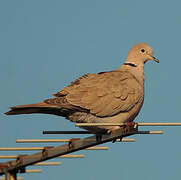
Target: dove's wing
x=104, y=94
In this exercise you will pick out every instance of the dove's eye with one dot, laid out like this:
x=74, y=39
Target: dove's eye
x=142, y=50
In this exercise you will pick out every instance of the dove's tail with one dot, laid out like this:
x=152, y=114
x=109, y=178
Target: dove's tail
x=35, y=108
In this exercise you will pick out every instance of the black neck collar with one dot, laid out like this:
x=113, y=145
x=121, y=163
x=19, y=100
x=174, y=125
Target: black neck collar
x=130, y=64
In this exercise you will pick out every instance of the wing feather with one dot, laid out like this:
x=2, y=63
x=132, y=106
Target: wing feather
x=104, y=94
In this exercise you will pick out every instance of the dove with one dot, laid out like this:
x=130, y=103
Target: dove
x=106, y=97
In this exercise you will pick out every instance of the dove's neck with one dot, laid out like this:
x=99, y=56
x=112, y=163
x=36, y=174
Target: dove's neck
x=136, y=69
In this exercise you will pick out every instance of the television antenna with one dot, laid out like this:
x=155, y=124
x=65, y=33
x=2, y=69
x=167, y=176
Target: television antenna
x=11, y=168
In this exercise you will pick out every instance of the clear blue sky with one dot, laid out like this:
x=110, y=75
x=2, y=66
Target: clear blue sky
x=44, y=45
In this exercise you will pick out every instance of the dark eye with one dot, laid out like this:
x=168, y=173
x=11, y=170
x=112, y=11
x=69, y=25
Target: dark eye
x=142, y=50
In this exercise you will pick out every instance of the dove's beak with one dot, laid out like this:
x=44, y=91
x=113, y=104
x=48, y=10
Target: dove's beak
x=154, y=59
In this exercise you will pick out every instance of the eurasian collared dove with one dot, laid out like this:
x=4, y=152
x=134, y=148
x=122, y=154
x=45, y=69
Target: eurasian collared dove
x=115, y=96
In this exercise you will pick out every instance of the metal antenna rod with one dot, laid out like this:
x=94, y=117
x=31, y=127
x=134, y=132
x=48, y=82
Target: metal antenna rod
x=70, y=132
x=63, y=156
x=42, y=148
x=57, y=140
x=123, y=124
x=47, y=164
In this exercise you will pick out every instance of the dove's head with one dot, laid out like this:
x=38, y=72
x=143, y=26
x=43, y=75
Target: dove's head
x=140, y=54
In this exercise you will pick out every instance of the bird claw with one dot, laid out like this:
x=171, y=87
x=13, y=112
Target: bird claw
x=129, y=126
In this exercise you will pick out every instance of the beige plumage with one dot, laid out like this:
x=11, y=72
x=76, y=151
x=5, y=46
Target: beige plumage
x=115, y=96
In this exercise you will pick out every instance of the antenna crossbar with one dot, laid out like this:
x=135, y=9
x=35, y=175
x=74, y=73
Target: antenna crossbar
x=124, y=124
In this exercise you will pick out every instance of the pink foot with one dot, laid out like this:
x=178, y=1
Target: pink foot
x=129, y=126
x=109, y=131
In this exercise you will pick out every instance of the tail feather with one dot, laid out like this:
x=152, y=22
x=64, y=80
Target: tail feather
x=35, y=108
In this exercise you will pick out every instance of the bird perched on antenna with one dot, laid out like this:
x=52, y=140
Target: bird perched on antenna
x=107, y=97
